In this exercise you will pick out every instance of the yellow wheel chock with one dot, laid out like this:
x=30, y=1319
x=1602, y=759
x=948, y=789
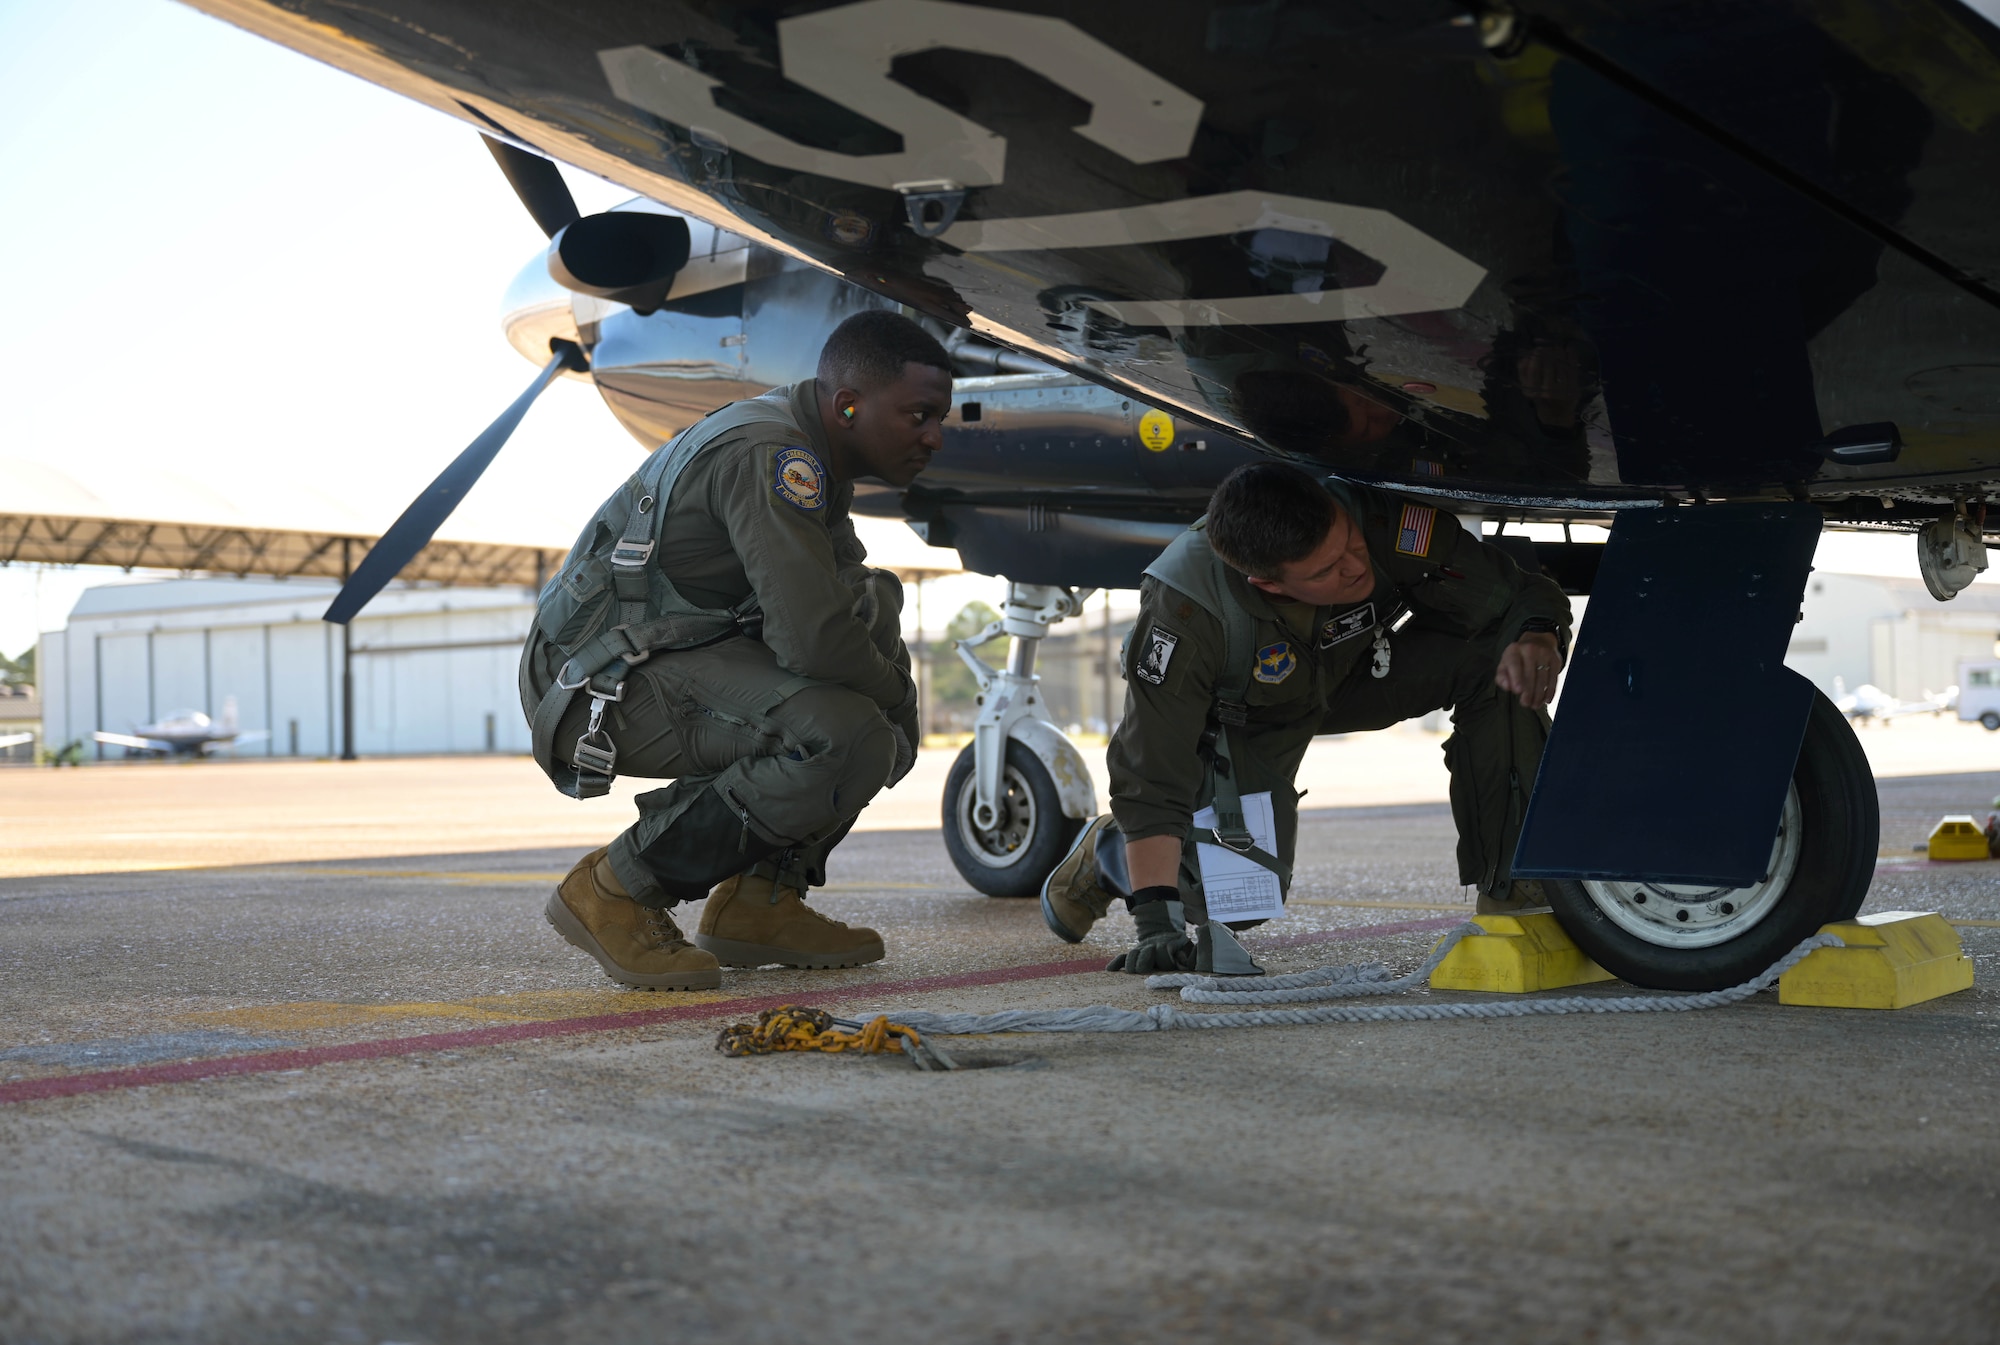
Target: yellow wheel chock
x=1519, y=953
x=1957, y=836
x=1891, y=961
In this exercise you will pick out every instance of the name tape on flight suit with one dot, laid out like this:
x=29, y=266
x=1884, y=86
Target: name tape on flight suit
x=1347, y=625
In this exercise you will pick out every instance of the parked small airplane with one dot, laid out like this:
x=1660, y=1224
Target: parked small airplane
x=185, y=733
x=1869, y=702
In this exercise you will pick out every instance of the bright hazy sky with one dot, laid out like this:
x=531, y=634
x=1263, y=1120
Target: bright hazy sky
x=226, y=260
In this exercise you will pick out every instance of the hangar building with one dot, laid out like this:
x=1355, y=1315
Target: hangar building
x=434, y=669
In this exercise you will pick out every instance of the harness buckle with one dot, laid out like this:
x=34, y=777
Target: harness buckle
x=1249, y=841
x=595, y=753
x=1232, y=713
x=591, y=758
x=631, y=555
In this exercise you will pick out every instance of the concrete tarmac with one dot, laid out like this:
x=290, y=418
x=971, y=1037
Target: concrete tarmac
x=371, y=1097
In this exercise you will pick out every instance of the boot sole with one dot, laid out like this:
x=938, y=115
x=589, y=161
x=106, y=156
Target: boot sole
x=732, y=953
x=1049, y=917
x=1056, y=926
x=558, y=914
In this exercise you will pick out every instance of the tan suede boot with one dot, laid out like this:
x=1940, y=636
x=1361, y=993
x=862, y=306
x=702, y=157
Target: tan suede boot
x=1523, y=894
x=636, y=945
x=752, y=922
x=1072, y=897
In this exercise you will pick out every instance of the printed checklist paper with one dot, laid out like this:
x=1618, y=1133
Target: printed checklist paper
x=1239, y=888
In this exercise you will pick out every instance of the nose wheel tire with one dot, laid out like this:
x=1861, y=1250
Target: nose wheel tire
x=1677, y=937
x=1029, y=836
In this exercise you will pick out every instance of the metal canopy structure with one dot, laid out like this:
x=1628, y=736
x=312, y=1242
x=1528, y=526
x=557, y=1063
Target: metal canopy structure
x=163, y=521
x=239, y=550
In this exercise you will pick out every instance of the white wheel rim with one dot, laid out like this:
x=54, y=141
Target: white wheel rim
x=1675, y=915
x=1003, y=844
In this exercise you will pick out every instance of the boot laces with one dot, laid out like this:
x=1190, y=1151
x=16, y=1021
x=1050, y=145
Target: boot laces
x=798, y=899
x=660, y=922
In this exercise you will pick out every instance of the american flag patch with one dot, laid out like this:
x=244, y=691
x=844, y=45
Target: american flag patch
x=1413, y=534
x=1423, y=467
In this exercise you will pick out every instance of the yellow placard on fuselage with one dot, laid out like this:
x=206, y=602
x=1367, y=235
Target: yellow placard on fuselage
x=1156, y=431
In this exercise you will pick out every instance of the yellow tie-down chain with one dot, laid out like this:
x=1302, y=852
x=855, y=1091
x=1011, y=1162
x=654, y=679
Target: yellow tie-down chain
x=795, y=1027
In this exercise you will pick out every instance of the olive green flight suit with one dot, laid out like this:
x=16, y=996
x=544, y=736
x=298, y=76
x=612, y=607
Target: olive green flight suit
x=1313, y=672
x=792, y=729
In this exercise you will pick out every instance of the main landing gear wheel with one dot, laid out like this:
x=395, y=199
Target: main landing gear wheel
x=1677, y=937
x=1026, y=841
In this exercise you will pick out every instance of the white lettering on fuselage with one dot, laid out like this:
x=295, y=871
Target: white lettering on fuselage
x=845, y=54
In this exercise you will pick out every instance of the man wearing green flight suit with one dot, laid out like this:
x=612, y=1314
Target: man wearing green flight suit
x=1298, y=607
x=716, y=625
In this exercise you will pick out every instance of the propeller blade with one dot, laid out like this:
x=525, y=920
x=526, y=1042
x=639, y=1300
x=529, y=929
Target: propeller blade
x=413, y=531
x=538, y=183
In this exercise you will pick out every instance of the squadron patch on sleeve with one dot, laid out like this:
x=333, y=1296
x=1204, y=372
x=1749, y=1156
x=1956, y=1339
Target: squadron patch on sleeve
x=1413, y=533
x=799, y=479
x=1159, y=652
x=1275, y=662
x=1347, y=625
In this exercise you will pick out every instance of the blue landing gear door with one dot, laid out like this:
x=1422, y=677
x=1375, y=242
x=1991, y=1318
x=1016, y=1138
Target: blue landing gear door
x=1680, y=724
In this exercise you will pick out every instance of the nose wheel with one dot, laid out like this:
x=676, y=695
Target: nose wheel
x=1009, y=852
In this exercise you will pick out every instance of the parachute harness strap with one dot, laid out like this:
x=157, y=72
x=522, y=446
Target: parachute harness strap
x=1327, y=983
x=794, y=1027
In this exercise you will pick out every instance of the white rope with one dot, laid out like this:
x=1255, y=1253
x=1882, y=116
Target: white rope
x=1306, y=987
x=1167, y=1018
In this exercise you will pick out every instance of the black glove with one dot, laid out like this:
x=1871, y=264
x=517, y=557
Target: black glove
x=906, y=754
x=1163, y=943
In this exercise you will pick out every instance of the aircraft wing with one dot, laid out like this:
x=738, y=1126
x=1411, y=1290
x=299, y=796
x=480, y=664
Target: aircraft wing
x=235, y=740
x=1930, y=705
x=15, y=739
x=1237, y=234
x=138, y=744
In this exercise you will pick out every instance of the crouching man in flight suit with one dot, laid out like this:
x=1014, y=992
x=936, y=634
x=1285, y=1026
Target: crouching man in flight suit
x=716, y=625
x=1296, y=608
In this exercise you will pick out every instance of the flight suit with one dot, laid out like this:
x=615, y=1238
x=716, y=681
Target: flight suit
x=792, y=729
x=1445, y=605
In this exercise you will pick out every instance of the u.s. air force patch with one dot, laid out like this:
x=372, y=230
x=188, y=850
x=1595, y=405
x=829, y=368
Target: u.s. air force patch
x=1275, y=662
x=1347, y=625
x=799, y=478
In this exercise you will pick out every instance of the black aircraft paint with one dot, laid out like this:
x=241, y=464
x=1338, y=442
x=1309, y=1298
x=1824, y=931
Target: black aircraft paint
x=1698, y=239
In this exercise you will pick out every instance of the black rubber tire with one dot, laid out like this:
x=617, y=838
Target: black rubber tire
x=1990, y=721
x=1840, y=822
x=1047, y=841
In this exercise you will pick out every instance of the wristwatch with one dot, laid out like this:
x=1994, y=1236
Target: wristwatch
x=1541, y=625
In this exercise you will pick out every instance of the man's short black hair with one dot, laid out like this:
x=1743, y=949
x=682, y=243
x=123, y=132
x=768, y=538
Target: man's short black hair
x=1266, y=515
x=869, y=350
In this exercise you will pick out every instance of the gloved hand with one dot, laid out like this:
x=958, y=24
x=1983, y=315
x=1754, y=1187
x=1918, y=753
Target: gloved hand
x=1163, y=944
x=906, y=754
x=878, y=604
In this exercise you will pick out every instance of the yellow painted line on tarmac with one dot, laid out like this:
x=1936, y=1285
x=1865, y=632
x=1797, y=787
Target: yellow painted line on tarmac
x=1975, y=924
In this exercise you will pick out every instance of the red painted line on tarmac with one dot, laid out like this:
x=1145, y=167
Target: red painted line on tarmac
x=273, y=1062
